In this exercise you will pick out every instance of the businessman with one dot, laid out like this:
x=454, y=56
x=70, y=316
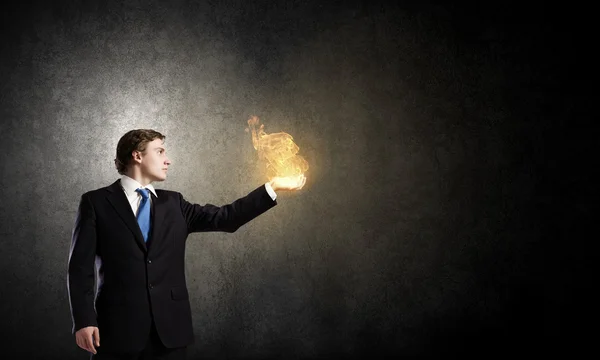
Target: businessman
x=128, y=244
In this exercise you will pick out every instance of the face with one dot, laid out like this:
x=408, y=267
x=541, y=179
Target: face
x=154, y=161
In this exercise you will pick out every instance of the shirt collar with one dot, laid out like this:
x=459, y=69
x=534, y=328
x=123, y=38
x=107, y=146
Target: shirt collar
x=130, y=185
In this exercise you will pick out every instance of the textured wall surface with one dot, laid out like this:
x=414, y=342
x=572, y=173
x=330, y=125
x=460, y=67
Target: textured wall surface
x=417, y=232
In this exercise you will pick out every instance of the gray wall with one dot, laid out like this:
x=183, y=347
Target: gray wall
x=416, y=233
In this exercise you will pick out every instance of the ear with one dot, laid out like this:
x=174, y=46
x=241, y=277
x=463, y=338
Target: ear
x=137, y=156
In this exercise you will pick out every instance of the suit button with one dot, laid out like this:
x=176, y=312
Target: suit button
x=149, y=261
x=150, y=286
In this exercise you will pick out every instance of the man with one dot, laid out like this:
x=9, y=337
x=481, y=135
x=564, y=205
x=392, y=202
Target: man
x=134, y=237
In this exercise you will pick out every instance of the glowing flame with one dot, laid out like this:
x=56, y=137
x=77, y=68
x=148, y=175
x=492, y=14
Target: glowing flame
x=278, y=150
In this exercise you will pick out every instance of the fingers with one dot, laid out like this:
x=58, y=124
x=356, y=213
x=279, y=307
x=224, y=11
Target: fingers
x=85, y=345
x=89, y=344
x=302, y=182
x=85, y=342
x=96, y=335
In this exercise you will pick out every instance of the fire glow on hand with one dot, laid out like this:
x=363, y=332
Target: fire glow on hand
x=278, y=151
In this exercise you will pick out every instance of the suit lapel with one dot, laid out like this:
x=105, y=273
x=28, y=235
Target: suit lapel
x=158, y=205
x=118, y=200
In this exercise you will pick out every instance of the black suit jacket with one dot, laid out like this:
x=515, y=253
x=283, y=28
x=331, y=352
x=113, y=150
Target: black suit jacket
x=137, y=281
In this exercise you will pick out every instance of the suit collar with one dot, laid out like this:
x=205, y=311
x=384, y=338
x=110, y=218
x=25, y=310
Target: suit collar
x=118, y=200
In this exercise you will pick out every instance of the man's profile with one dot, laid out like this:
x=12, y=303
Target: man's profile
x=133, y=236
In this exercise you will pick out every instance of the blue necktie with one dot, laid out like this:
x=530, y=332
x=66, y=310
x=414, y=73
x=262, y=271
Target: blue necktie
x=143, y=215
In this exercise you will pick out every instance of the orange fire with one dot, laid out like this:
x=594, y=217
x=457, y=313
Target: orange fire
x=278, y=150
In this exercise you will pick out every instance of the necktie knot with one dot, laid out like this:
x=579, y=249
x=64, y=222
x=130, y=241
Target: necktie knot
x=144, y=192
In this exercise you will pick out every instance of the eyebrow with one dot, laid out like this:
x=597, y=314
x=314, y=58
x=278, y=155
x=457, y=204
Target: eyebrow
x=159, y=148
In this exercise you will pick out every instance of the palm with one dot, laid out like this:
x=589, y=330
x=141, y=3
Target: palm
x=289, y=182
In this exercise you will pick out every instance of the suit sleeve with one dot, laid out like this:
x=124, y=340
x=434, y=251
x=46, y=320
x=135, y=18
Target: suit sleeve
x=81, y=270
x=227, y=218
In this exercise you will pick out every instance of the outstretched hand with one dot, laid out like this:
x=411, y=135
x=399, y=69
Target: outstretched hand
x=288, y=183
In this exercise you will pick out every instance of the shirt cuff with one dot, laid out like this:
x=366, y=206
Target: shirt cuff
x=270, y=190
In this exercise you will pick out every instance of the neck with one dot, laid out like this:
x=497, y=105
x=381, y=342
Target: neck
x=139, y=177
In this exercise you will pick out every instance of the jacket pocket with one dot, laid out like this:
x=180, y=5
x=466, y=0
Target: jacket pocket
x=179, y=293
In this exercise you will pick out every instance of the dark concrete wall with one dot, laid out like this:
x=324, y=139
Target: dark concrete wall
x=426, y=129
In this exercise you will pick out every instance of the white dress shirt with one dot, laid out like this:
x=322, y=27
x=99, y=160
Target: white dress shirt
x=134, y=198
